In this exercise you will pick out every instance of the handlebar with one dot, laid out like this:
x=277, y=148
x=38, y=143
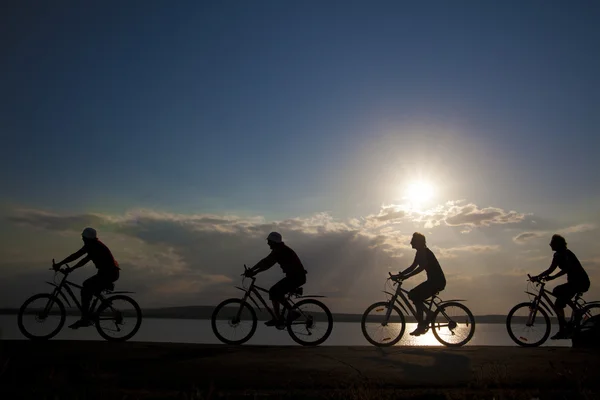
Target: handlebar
x=63, y=271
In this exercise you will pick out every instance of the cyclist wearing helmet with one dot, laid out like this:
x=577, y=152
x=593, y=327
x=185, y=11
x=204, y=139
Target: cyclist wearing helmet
x=577, y=280
x=108, y=271
x=436, y=281
x=295, y=274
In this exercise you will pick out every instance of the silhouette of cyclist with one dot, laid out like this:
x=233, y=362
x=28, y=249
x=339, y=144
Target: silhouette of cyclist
x=577, y=281
x=426, y=261
x=295, y=275
x=108, y=271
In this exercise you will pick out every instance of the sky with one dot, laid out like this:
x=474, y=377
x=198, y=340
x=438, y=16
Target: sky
x=186, y=133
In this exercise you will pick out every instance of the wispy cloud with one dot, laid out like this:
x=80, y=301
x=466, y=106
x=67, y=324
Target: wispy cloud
x=525, y=237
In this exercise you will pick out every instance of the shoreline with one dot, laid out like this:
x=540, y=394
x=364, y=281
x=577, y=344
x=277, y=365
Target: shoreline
x=168, y=368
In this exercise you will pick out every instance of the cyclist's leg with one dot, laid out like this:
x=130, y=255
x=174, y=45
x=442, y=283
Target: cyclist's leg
x=89, y=287
x=564, y=293
x=277, y=294
x=295, y=283
x=418, y=294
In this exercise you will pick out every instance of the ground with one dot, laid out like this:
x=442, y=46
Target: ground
x=103, y=370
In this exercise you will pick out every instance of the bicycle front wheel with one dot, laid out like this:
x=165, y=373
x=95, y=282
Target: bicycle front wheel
x=313, y=325
x=379, y=330
x=39, y=314
x=525, y=326
x=233, y=322
x=118, y=318
x=453, y=324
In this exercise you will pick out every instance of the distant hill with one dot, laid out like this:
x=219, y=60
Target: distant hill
x=205, y=312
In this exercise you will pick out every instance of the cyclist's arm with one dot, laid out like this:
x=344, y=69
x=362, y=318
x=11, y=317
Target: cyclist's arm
x=561, y=273
x=550, y=270
x=264, y=264
x=81, y=263
x=72, y=257
x=417, y=266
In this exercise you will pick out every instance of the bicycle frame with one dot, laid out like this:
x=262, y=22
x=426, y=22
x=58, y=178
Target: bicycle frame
x=255, y=289
x=403, y=293
x=546, y=302
x=64, y=283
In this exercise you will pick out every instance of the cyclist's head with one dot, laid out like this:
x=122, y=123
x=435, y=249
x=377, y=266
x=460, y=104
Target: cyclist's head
x=558, y=242
x=274, y=239
x=89, y=234
x=418, y=240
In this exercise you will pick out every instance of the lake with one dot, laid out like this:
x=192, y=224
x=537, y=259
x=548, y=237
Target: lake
x=199, y=331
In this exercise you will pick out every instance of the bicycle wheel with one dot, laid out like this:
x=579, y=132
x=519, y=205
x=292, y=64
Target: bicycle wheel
x=523, y=333
x=118, y=318
x=453, y=324
x=589, y=311
x=227, y=318
x=315, y=318
x=46, y=306
x=373, y=327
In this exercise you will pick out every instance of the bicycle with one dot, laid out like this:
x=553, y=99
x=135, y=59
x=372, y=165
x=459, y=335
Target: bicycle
x=437, y=309
x=306, y=322
x=105, y=311
x=542, y=304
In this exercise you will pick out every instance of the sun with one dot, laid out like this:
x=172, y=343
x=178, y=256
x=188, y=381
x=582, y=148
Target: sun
x=419, y=193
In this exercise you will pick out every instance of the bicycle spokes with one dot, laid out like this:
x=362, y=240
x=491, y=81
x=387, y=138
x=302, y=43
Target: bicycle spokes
x=42, y=316
x=308, y=321
x=117, y=318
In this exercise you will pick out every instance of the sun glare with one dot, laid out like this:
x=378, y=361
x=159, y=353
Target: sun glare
x=419, y=193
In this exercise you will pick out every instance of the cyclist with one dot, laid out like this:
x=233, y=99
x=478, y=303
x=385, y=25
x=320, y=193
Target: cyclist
x=436, y=281
x=295, y=275
x=577, y=280
x=108, y=271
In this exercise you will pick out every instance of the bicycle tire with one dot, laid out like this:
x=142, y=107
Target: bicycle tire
x=329, y=320
x=514, y=337
x=213, y=321
x=105, y=304
x=471, y=319
x=63, y=316
x=364, y=329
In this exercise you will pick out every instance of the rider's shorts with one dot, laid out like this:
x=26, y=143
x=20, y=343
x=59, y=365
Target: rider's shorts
x=286, y=285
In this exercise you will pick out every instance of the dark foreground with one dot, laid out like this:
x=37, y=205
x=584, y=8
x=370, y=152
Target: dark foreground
x=102, y=370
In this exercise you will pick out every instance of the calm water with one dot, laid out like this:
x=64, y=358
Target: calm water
x=199, y=331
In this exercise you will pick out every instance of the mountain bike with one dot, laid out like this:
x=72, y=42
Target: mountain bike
x=528, y=323
x=109, y=317
x=238, y=314
x=383, y=323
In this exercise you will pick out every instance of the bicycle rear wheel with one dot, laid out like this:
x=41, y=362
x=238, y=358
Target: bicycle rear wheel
x=313, y=326
x=233, y=315
x=41, y=309
x=453, y=324
x=381, y=332
x=525, y=328
x=118, y=318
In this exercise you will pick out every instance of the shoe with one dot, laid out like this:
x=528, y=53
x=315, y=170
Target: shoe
x=80, y=323
x=272, y=322
x=421, y=329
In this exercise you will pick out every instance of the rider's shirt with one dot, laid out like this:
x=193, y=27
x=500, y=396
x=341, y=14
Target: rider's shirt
x=287, y=258
x=568, y=262
x=427, y=259
x=99, y=254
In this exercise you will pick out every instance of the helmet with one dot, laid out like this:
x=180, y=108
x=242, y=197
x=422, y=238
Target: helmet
x=89, y=233
x=275, y=237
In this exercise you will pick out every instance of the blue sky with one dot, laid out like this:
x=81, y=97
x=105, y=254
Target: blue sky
x=284, y=110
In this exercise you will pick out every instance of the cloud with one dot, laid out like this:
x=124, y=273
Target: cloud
x=525, y=237
x=453, y=213
x=182, y=259
x=454, y=252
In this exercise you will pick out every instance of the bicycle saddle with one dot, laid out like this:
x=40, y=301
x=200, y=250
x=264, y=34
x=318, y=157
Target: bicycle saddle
x=109, y=288
x=297, y=291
